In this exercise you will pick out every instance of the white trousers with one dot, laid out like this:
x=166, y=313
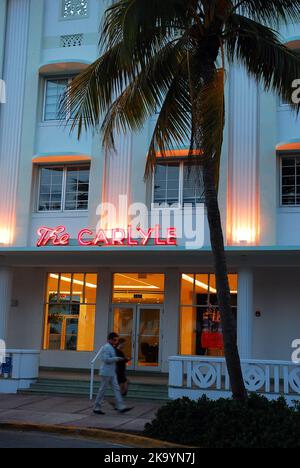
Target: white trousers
x=113, y=383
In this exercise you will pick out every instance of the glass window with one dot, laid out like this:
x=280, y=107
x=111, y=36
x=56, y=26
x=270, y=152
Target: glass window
x=51, y=183
x=77, y=188
x=178, y=183
x=64, y=188
x=290, y=181
x=201, y=330
x=166, y=184
x=193, y=188
x=70, y=311
x=55, y=90
x=138, y=288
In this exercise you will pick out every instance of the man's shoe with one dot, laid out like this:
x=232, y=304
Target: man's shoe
x=99, y=412
x=125, y=410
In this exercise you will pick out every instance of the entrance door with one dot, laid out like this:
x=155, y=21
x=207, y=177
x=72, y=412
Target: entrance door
x=140, y=326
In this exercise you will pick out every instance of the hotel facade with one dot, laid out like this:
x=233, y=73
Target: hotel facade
x=60, y=294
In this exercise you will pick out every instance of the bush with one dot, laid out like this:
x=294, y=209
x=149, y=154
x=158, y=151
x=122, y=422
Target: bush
x=225, y=423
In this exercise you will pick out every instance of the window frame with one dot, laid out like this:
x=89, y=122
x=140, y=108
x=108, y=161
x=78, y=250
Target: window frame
x=180, y=204
x=48, y=78
x=46, y=305
x=65, y=168
x=281, y=204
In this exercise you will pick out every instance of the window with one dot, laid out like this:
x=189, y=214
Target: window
x=72, y=9
x=201, y=330
x=64, y=188
x=139, y=288
x=178, y=183
x=290, y=181
x=55, y=89
x=70, y=312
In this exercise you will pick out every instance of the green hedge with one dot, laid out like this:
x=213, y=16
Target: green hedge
x=225, y=423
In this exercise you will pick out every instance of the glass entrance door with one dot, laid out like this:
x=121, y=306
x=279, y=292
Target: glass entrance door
x=141, y=327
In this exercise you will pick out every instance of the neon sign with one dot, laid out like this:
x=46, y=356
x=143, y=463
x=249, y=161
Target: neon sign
x=116, y=237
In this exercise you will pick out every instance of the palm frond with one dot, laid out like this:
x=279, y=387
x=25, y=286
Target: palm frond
x=269, y=11
x=259, y=49
x=145, y=94
x=142, y=21
x=174, y=123
x=209, y=113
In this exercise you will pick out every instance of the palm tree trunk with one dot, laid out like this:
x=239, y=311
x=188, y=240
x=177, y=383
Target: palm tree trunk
x=229, y=324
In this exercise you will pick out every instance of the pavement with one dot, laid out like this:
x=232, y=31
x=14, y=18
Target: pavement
x=73, y=417
x=75, y=412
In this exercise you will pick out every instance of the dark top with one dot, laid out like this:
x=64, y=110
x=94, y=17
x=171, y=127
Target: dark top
x=121, y=367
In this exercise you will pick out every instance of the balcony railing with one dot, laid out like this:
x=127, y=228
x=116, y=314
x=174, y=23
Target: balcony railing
x=194, y=377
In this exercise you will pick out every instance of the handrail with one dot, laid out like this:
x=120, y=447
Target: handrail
x=93, y=373
x=222, y=360
x=192, y=376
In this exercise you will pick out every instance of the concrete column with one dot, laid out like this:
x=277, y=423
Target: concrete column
x=117, y=181
x=245, y=313
x=243, y=190
x=27, y=147
x=2, y=33
x=5, y=300
x=103, y=308
x=14, y=72
x=170, y=322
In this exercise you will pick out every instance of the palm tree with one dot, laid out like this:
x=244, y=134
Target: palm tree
x=171, y=55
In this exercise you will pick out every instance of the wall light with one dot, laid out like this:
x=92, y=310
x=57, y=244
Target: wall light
x=5, y=236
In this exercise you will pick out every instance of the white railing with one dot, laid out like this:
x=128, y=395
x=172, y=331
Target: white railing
x=196, y=376
x=93, y=374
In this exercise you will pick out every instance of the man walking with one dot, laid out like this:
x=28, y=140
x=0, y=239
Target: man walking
x=109, y=359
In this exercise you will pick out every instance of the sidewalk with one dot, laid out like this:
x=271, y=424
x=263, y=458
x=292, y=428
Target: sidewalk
x=75, y=412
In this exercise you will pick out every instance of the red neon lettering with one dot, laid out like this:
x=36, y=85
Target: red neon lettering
x=146, y=236
x=56, y=236
x=82, y=242
x=101, y=238
x=118, y=239
x=130, y=240
x=157, y=239
x=171, y=236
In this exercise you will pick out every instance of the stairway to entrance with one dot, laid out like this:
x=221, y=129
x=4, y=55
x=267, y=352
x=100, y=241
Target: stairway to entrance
x=143, y=386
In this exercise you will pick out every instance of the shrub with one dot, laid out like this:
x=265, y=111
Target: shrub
x=225, y=423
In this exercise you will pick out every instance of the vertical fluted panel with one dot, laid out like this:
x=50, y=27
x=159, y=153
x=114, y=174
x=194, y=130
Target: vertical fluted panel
x=5, y=302
x=12, y=113
x=118, y=182
x=243, y=216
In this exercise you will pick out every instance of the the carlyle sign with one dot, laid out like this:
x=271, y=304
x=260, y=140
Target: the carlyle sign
x=59, y=236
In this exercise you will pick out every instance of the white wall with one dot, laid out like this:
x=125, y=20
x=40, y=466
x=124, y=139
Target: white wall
x=25, y=322
x=277, y=297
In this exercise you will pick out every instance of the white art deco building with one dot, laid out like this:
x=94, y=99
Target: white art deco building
x=62, y=300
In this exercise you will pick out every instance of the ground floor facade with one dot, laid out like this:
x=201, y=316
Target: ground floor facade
x=162, y=304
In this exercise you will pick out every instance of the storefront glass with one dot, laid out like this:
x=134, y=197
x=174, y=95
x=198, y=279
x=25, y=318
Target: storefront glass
x=201, y=331
x=138, y=288
x=137, y=313
x=70, y=311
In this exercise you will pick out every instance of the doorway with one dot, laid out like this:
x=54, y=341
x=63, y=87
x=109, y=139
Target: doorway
x=141, y=327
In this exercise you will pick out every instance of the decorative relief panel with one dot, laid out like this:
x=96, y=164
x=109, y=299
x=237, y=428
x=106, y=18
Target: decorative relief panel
x=75, y=8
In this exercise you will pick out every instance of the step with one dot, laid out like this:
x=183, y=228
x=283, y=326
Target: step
x=82, y=388
x=74, y=392
x=132, y=387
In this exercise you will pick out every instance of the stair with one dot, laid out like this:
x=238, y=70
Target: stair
x=65, y=387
